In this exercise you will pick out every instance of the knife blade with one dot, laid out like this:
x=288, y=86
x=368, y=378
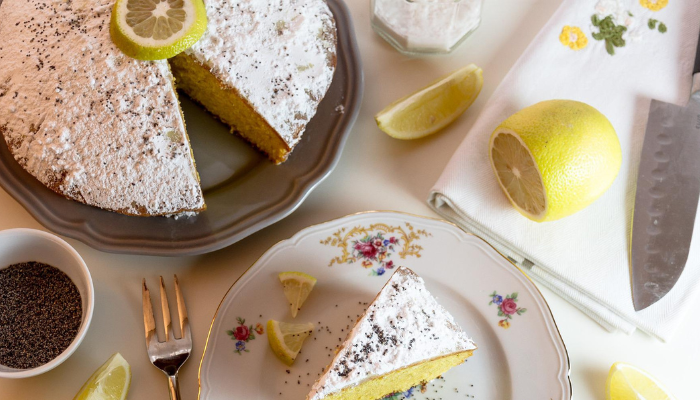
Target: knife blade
x=666, y=201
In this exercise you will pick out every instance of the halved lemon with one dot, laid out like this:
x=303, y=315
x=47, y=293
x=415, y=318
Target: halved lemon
x=627, y=382
x=434, y=107
x=555, y=158
x=109, y=382
x=157, y=29
x=296, y=286
x=286, y=339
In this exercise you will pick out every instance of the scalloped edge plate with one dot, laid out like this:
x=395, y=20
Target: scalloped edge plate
x=521, y=354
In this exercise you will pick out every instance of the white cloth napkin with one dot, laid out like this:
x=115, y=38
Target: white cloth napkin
x=584, y=257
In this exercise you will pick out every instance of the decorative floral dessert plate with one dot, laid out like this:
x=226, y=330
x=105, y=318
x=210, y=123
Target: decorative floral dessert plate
x=243, y=190
x=520, y=353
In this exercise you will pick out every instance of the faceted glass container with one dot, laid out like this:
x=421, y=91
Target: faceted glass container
x=418, y=27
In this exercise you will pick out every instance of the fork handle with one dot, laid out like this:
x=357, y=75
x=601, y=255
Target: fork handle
x=173, y=387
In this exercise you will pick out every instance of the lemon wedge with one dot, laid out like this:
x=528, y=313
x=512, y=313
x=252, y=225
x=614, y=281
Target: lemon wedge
x=627, y=382
x=555, y=158
x=296, y=286
x=434, y=107
x=109, y=382
x=286, y=339
x=157, y=29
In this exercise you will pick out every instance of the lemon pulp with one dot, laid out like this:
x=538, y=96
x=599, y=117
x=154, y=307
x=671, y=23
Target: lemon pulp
x=157, y=29
x=627, y=382
x=434, y=107
x=109, y=382
x=286, y=339
x=297, y=286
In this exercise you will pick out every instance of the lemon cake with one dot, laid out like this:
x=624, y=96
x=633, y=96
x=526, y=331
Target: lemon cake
x=262, y=67
x=403, y=339
x=87, y=121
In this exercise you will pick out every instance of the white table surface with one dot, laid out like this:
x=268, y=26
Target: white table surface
x=375, y=172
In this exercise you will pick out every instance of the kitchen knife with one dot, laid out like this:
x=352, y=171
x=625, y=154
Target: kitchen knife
x=668, y=187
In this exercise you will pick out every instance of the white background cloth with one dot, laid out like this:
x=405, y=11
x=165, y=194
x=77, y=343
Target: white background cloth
x=583, y=257
x=375, y=172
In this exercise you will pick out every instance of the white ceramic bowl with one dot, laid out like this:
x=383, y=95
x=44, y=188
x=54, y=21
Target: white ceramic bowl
x=22, y=245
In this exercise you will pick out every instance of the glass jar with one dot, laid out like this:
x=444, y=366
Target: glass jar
x=417, y=27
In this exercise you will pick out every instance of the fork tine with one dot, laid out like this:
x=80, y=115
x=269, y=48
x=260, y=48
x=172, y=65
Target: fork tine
x=148, y=322
x=182, y=311
x=167, y=323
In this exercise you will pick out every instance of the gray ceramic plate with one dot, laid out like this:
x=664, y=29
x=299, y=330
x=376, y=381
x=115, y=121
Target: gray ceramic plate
x=244, y=191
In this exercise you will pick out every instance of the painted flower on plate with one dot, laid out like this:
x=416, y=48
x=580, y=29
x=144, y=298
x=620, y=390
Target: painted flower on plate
x=241, y=332
x=259, y=329
x=366, y=249
x=509, y=307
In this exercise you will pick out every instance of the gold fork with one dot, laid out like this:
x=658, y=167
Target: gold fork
x=168, y=356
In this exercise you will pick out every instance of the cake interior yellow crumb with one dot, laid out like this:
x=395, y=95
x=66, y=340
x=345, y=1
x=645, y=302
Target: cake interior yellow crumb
x=402, y=379
x=225, y=103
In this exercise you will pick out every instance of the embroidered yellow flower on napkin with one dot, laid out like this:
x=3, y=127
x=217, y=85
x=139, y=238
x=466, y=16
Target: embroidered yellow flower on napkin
x=573, y=37
x=654, y=5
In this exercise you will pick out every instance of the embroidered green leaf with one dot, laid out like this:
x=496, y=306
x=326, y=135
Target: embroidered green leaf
x=652, y=23
x=609, y=48
x=662, y=27
x=630, y=14
x=230, y=333
x=608, y=31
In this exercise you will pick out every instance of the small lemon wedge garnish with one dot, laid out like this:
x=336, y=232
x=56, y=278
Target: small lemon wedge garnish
x=286, y=339
x=109, y=382
x=296, y=286
x=627, y=382
x=433, y=107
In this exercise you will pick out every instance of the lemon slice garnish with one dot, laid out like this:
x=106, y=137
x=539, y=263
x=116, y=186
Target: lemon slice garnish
x=296, y=286
x=286, y=339
x=627, y=382
x=157, y=29
x=109, y=382
x=555, y=158
x=433, y=107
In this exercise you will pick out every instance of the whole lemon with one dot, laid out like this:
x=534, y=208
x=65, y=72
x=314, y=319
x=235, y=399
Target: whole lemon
x=555, y=158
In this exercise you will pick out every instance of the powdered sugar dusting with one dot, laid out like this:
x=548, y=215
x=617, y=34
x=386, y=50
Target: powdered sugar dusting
x=278, y=54
x=404, y=325
x=86, y=120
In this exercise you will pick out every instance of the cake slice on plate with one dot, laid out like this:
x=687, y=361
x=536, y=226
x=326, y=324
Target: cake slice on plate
x=403, y=339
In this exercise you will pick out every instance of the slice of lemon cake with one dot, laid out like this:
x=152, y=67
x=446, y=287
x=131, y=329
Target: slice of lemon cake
x=262, y=67
x=403, y=339
x=87, y=121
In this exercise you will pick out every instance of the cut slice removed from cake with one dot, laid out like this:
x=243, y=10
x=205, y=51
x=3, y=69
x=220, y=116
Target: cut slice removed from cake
x=403, y=339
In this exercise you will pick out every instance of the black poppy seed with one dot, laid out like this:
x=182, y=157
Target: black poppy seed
x=40, y=314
